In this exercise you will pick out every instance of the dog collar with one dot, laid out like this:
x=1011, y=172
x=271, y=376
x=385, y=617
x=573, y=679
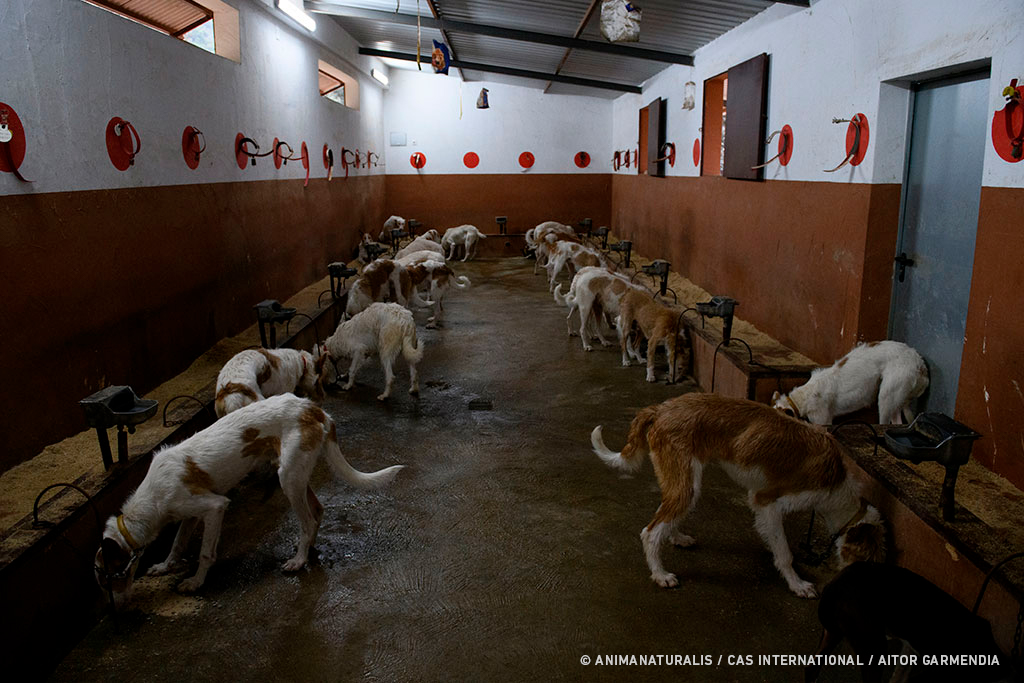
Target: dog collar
x=132, y=543
x=792, y=405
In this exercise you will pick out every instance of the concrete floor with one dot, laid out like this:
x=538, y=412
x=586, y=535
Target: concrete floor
x=505, y=551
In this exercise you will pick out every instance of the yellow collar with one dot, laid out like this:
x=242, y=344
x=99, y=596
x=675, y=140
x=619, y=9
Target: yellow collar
x=792, y=405
x=127, y=536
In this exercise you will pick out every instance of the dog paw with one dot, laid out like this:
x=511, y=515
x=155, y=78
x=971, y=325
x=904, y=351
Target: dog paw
x=625, y=363
x=665, y=580
x=588, y=347
x=294, y=564
x=382, y=397
x=804, y=589
x=346, y=387
x=190, y=585
x=608, y=344
x=431, y=326
x=414, y=391
x=651, y=378
x=682, y=540
x=163, y=568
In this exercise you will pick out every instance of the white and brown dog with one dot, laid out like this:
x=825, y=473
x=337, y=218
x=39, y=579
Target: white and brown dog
x=428, y=241
x=188, y=482
x=383, y=279
x=435, y=278
x=889, y=372
x=417, y=257
x=576, y=256
x=785, y=464
x=384, y=330
x=596, y=293
x=660, y=325
x=463, y=239
x=546, y=238
x=253, y=374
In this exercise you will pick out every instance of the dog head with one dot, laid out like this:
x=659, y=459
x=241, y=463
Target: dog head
x=432, y=235
x=863, y=541
x=783, y=403
x=311, y=384
x=115, y=565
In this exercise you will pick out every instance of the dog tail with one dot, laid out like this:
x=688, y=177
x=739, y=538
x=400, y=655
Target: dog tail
x=417, y=299
x=559, y=299
x=631, y=457
x=461, y=281
x=412, y=350
x=343, y=470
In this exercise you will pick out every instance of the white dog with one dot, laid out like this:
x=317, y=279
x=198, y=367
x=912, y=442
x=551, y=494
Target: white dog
x=545, y=237
x=417, y=257
x=380, y=280
x=393, y=223
x=188, y=482
x=464, y=237
x=254, y=374
x=436, y=278
x=382, y=329
x=889, y=372
x=595, y=293
x=428, y=241
x=785, y=465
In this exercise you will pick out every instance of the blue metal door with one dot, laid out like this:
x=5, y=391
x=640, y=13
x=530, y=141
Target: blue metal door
x=935, y=256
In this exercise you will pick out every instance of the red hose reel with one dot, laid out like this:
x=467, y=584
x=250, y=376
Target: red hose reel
x=12, y=142
x=123, y=143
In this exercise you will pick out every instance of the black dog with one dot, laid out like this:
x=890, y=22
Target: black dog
x=868, y=601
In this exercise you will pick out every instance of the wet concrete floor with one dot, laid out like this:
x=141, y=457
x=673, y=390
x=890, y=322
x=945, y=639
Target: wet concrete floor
x=505, y=551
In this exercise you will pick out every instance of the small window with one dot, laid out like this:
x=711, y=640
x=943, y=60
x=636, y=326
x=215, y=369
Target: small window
x=211, y=25
x=338, y=86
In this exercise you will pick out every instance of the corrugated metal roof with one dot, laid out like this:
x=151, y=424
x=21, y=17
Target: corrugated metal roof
x=174, y=17
x=675, y=26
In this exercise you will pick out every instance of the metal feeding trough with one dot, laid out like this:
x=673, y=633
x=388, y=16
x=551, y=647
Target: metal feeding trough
x=270, y=311
x=586, y=225
x=626, y=247
x=502, y=222
x=602, y=232
x=116, y=407
x=936, y=437
x=373, y=250
x=720, y=307
x=413, y=225
x=339, y=273
x=659, y=268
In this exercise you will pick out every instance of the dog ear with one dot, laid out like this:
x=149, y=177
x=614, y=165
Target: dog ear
x=776, y=396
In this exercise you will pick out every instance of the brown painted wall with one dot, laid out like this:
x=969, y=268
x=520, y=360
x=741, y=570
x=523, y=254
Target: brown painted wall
x=991, y=392
x=444, y=201
x=809, y=262
x=130, y=286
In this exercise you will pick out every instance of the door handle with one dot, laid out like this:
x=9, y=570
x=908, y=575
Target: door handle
x=903, y=261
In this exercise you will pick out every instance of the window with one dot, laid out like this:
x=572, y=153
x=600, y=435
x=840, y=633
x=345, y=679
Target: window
x=211, y=25
x=735, y=144
x=338, y=86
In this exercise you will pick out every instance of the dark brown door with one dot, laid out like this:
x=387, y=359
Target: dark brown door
x=746, y=117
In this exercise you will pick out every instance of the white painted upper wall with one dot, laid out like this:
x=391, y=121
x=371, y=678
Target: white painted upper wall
x=426, y=108
x=69, y=67
x=833, y=60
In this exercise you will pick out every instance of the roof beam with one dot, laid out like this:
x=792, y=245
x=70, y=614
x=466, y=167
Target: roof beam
x=579, y=31
x=499, y=32
x=508, y=71
x=798, y=3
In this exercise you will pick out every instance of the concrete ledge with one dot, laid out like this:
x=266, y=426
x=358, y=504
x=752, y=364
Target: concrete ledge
x=41, y=626
x=731, y=373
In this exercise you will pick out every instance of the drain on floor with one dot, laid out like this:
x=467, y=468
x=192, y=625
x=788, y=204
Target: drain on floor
x=480, y=404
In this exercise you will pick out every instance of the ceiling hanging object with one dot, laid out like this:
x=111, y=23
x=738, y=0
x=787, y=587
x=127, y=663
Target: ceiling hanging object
x=482, y=101
x=620, y=21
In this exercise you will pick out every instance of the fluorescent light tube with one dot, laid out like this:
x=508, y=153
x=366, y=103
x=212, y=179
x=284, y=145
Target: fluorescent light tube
x=296, y=12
